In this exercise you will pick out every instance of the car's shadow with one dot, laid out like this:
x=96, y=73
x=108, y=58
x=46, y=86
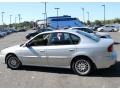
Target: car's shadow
x=110, y=72
x=47, y=69
x=113, y=71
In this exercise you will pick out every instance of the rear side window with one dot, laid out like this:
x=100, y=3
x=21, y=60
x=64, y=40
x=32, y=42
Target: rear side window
x=75, y=39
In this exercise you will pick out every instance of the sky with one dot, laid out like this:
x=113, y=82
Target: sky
x=33, y=11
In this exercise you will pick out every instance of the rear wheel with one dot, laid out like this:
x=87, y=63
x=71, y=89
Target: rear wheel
x=13, y=62
x=82, y=66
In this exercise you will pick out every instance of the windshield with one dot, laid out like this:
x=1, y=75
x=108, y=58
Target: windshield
x=91, y=36
x=86, y=30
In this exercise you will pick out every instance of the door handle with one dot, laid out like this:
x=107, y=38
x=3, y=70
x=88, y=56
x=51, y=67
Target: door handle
x=42, y=50
x=71, y=49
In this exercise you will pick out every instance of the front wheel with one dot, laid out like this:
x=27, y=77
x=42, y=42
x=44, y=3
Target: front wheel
x=13, y=62
x=82, y=66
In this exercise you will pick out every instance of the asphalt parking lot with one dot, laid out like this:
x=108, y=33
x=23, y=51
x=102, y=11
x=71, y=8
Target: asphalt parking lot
x=29, y=76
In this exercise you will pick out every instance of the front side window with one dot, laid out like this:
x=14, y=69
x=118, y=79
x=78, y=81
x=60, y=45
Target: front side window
x=40, y=40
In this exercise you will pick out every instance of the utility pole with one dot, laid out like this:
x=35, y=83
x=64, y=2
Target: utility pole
x=104, y=13
x=57, y=17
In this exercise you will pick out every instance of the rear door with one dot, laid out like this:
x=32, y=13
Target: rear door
x=60, y=49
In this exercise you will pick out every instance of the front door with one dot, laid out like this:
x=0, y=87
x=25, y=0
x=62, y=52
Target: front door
x=35, y=53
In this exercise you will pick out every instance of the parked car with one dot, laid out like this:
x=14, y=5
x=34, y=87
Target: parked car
x=78, y=50
x=107, y=28
x=22, y=30
x=28, y=36
x=86, y=29
x=2, y=34
x=13, y=30
x=95, y=27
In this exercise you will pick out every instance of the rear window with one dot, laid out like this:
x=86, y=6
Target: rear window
x=85, y=30
x=93, y=37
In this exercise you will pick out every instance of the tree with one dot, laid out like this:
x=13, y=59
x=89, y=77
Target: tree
x=88, y=23
x=116, y=20
x=98, y=22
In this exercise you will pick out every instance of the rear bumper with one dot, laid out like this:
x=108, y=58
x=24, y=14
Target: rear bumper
x=107, y=61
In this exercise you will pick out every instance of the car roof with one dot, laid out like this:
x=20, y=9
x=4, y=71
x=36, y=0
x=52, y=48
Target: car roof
x=75, y=31
x=78, y=27
x=62, y=30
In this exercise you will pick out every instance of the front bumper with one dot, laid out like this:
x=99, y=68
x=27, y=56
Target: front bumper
x=2, y=58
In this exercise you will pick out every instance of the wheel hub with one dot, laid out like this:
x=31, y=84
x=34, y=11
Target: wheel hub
x=13, y=62
x=82, y=66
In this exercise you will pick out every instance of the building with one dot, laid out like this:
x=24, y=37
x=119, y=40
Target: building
x=61, y=22
x=64, y=21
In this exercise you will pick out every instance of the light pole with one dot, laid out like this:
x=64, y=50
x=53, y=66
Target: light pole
x=104, y=13
x=44, y=14
x=3, y=17
x=16, y=22
x=83, y=15
x=19, y=15
x=88, y=15
x=10, y=19
x=57, y=17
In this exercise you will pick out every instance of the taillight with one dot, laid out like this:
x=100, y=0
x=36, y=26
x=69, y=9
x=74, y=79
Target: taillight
x=110, y=48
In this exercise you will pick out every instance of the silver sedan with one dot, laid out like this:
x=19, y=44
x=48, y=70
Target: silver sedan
x=78, y=50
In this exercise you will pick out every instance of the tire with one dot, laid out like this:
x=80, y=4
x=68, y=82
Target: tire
x=13, y=62
x=82, y=66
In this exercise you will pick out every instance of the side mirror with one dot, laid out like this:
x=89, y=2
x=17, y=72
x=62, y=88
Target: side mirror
x=28, y=45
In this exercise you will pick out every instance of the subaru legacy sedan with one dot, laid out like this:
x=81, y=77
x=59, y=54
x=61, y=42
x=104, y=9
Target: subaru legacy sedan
x=77, y=50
